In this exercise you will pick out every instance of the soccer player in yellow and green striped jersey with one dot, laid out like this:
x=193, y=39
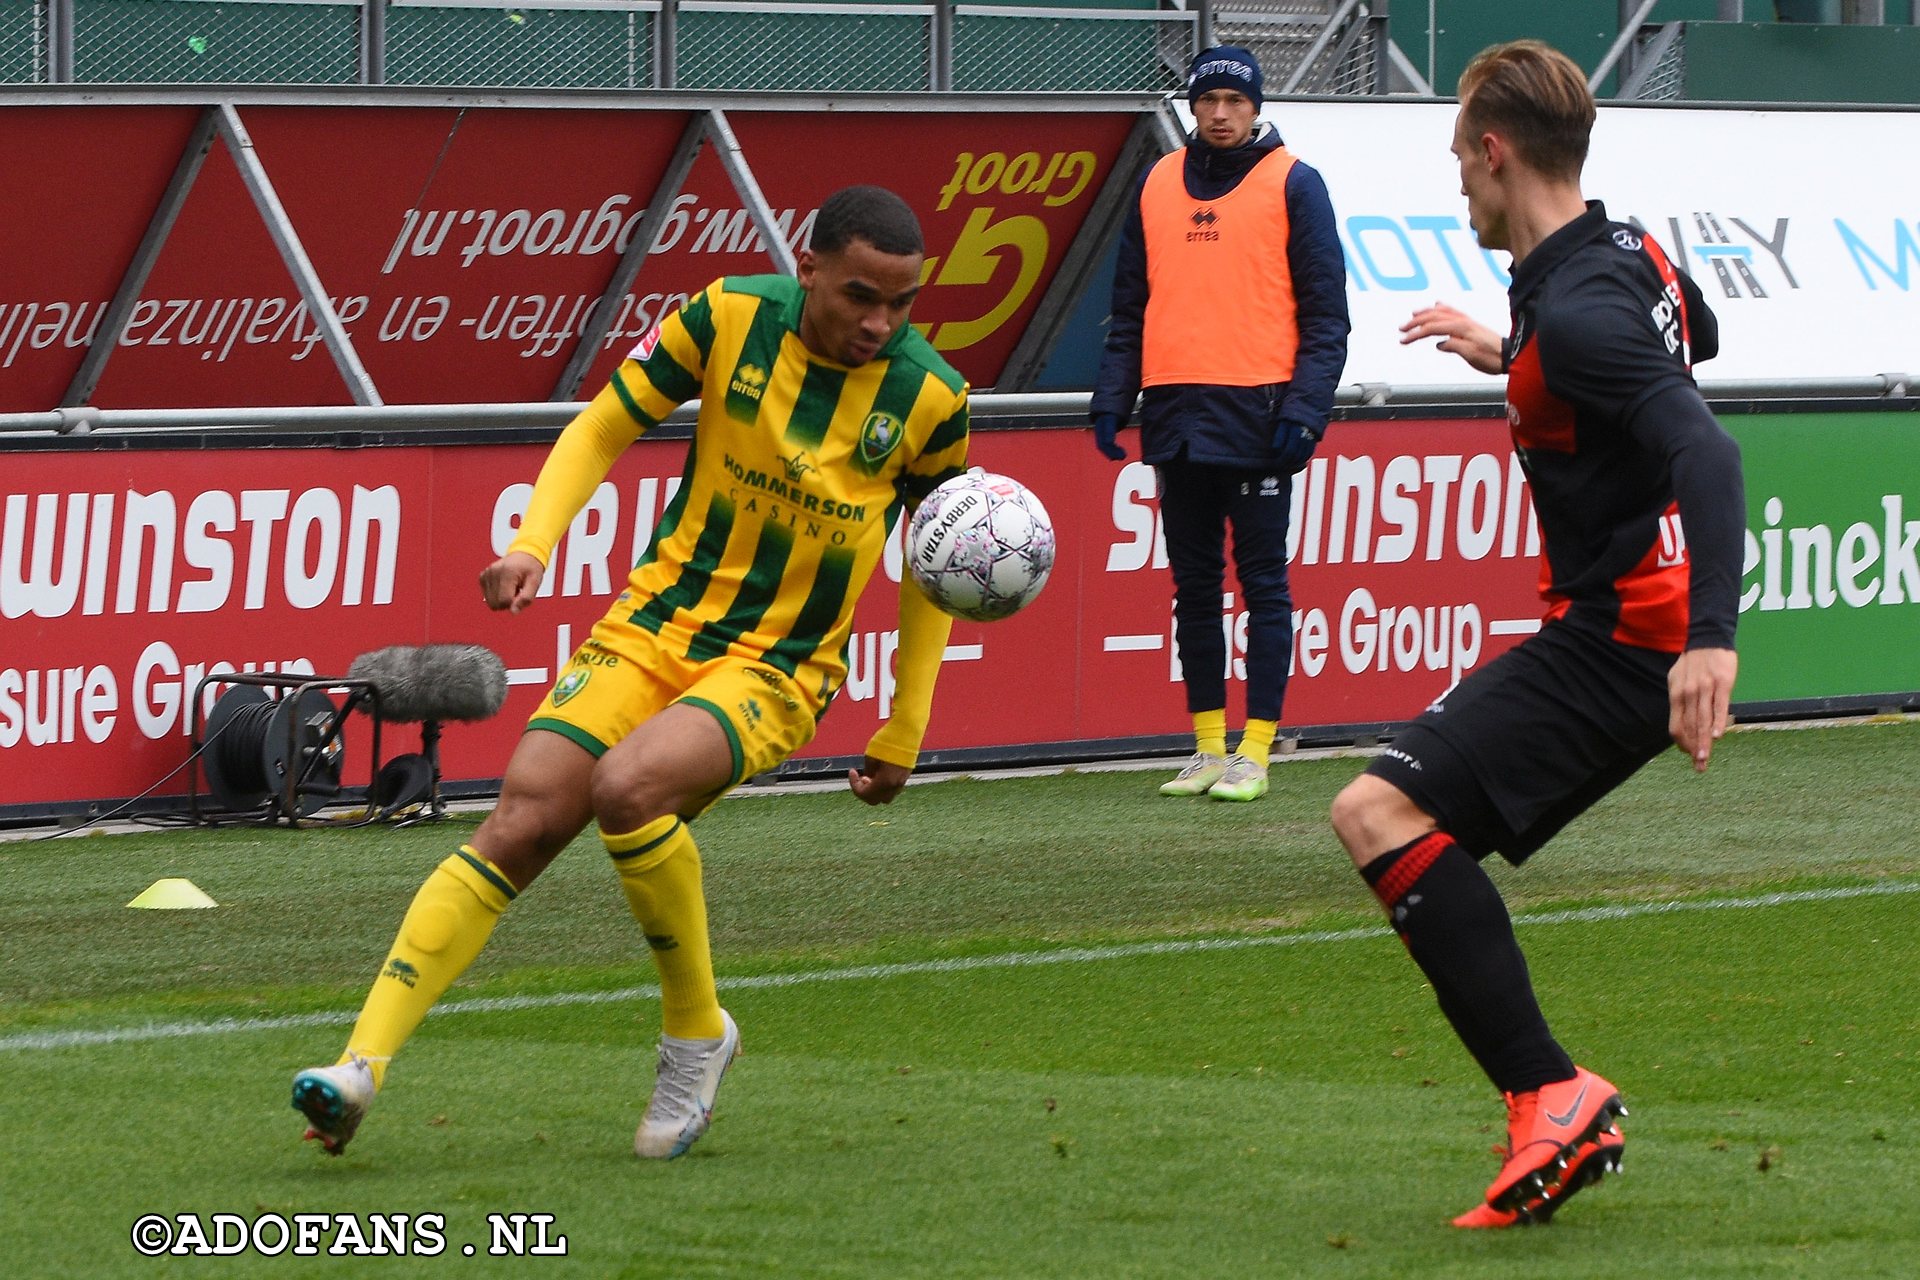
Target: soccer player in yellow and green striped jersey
x=824, y=418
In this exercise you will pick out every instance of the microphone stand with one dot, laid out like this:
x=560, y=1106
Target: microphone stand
x=430, y=748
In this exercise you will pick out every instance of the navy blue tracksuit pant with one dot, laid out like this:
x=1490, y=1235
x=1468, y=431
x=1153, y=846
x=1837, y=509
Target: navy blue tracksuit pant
x=1198, y=501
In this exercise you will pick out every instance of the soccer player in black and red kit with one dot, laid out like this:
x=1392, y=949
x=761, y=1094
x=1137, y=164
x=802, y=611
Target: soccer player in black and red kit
x=1642, y=518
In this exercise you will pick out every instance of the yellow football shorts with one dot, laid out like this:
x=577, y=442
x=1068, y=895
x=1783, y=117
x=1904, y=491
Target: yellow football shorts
x=623, y=675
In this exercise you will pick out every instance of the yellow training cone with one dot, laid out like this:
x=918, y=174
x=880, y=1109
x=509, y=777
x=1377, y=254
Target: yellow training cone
x=172, y=895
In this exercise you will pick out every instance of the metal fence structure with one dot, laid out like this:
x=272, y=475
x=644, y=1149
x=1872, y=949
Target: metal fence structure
x=814, y=45
x=1340, y=47
x=1307, y=46
x=1659, y=73
x=1651, y=60
x=469, y=44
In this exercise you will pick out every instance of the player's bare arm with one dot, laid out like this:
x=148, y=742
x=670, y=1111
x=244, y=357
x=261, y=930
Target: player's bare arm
x=1459, y=333
x=1699, y=687
x=512, y=581
x=877, y=782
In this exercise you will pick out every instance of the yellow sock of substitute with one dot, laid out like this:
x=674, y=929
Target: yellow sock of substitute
x=450, y=920
x=1210, y=732
x=659, y=868
x=1256, y=744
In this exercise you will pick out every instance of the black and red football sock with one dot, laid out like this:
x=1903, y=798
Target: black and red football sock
x=1455, y=925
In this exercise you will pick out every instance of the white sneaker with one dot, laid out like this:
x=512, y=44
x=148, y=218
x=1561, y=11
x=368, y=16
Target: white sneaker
x=683, y=1092
x=1241, y=780
x=334, y=1100
x=1201, y=772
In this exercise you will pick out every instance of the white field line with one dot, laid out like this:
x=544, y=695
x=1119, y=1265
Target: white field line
x=961, y=964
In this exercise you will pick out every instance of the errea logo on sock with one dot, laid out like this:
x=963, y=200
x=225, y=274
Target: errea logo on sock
x=400, y=971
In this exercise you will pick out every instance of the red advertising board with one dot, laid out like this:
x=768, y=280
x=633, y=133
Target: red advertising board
x=126, y=576
x=465, y=248
x=63, y=257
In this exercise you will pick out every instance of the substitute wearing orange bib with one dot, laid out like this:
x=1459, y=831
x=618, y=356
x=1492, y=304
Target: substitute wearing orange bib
x=1229, y=325
x=1212, y=258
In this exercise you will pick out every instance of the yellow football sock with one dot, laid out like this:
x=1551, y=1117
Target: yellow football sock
x=1256, y=744
x=450, y=920
x=1210, y=732
x=659, y=868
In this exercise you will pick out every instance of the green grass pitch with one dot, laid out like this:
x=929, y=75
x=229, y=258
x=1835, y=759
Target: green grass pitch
x=1039, y=1027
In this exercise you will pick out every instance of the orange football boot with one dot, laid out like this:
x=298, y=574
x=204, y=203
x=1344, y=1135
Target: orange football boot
x=1545, y=1132
x=1591, y=1162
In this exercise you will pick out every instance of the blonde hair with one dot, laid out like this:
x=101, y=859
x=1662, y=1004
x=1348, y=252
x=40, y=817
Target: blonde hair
x=1536, y=98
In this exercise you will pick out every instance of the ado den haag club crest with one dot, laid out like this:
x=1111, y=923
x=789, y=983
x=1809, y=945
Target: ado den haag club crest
x=571, y=683
x=880, y=435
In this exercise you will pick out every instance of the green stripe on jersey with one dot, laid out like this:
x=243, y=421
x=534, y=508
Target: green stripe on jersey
x=813, y=411
x=818, y=614
x=761, y=350
x=669, y=377
x=697, y=315
x=676, y=507
x=757, y=591
x=911, y=346
x=697, y=574
x=634, y=411
x=900, y=389
x=886, y=424
x=948, y=433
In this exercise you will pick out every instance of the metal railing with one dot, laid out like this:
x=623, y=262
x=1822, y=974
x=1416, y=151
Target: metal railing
x=1487, y=393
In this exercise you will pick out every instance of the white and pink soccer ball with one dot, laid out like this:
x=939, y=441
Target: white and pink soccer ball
x=980, y=546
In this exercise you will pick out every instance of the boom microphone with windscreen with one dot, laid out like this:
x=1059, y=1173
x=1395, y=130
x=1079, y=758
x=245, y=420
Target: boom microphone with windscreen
x=434, y=681
x=428, y=683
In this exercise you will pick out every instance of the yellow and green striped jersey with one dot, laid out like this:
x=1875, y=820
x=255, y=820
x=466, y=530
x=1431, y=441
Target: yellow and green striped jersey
x=798, y=469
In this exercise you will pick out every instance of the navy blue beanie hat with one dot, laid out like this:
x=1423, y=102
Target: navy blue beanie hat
x=1226, y=66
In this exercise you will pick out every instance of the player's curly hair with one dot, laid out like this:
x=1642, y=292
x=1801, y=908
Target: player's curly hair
x=1534, y=96
x=873, y=214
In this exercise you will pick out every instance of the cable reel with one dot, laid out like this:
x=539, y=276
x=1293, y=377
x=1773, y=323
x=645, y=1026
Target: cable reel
x=283, y=754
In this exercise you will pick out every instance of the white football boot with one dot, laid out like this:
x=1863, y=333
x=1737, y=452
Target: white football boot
x=683, y=1092
x=334, y=1100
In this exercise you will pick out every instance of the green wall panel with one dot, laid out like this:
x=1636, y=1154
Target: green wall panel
x=1445, y=34
x=1784, y=62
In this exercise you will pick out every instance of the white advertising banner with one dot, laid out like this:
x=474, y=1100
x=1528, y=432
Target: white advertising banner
x=1801, y=227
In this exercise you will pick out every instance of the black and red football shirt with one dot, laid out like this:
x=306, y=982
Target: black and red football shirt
x=1638, y=490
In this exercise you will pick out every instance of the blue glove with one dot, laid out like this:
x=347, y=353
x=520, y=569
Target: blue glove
x=1106, y=431
x=1295, y=445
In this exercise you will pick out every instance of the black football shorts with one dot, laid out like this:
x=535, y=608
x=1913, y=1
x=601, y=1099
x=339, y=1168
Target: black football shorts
x=1528, y=743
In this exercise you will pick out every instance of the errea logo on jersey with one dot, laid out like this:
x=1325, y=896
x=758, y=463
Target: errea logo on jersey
x=749, y=380
x=1627, y=240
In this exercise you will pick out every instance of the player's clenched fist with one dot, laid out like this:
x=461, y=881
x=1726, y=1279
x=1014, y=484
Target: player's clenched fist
x=511, y=581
